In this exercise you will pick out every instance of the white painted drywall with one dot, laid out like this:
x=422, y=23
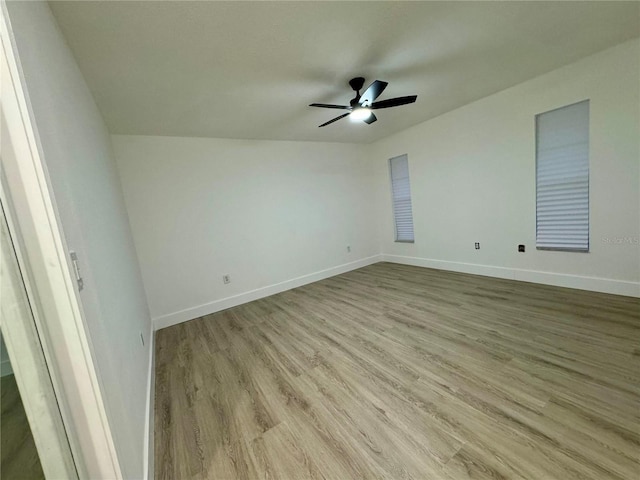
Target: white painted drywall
x=264, y=212
x=269, y=213
x=77, y=151
x=473, y=179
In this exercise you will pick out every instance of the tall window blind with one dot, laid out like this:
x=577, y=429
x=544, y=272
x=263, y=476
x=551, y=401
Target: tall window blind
x=401, y=192
x=562, y=178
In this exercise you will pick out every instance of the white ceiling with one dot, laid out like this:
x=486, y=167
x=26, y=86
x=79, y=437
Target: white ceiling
x=249, y=69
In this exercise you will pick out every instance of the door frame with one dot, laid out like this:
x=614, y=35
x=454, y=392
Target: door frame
x=40, y=247
x=29, y=365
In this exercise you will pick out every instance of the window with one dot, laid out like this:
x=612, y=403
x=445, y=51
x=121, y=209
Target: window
x=401, y=193
x=562, y=178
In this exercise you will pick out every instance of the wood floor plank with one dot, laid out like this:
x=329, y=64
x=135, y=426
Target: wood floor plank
x=18, y=450
x=393, y=371
x=280, y=455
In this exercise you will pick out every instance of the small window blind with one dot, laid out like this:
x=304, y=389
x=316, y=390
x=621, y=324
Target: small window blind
x=562, y=178
x=401, y=192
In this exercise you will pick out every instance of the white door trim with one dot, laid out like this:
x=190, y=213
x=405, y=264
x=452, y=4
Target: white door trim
x=29, y=366
x=47, y=274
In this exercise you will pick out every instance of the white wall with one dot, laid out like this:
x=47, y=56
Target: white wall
x=77, y=150
x=264, y=212
x=473, y=180
x=268, y=213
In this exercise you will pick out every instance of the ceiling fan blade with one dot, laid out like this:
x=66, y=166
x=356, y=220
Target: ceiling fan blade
x=327, y=105
x=393, y=102
x=370, y=119
x=334, y=120
x=372, y=92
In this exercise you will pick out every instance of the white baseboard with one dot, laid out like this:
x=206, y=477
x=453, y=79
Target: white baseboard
x=5, y=368
x=604, y=285
x=224, y=303
x=148, y=453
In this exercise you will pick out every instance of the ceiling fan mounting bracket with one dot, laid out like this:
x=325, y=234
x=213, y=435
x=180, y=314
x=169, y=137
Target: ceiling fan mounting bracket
x=357, y=83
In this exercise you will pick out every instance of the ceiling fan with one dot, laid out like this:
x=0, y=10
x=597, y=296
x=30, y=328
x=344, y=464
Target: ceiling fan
x=361, y=106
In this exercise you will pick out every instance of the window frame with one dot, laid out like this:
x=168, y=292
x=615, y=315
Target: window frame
x=393, y=206
x=536, y=142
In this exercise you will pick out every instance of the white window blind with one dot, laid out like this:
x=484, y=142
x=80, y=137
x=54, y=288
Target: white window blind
x=562, y=178
x=401, y=192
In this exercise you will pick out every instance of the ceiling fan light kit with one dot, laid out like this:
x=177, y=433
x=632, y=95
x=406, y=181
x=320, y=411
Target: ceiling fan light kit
x=361, y=113
x=360, y=107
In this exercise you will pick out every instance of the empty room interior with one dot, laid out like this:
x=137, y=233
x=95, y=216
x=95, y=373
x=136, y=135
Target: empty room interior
x=320, y=240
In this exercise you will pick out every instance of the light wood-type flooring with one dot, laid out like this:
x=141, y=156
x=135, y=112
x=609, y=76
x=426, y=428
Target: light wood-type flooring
x=17, y=448
x=402, y=372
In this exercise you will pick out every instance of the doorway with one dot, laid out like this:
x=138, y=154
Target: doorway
x=33, y=439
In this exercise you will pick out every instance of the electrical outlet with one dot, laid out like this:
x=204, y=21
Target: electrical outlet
x=142, y=339
x=349, y=248
x=477, y=245
x=520, y=248
x=226, y=278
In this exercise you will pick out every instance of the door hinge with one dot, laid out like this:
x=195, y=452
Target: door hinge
x=76, y=270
